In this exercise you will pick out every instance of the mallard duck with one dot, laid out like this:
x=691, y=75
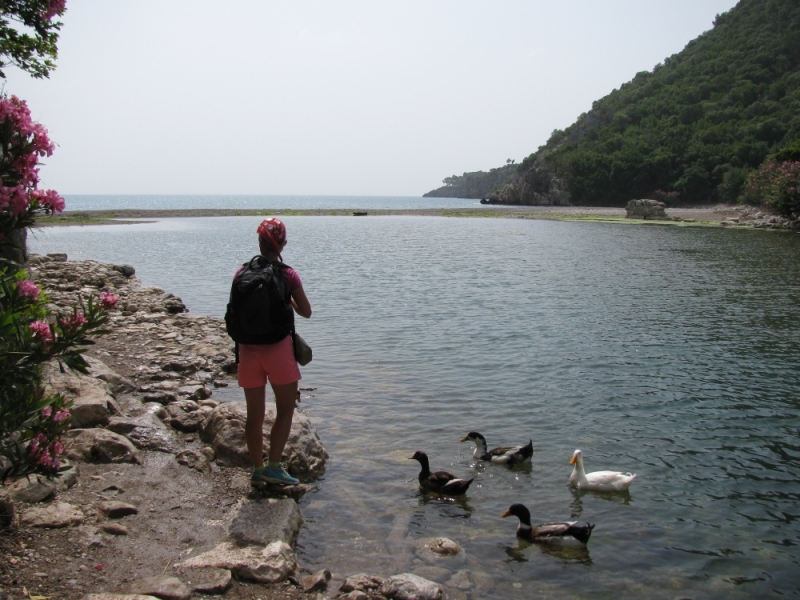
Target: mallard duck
x=563, y=533
x=510, y=455
x=441, y=482
x=599, y=481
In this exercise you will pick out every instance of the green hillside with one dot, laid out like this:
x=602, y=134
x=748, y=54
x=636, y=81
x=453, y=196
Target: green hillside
x=690, y=131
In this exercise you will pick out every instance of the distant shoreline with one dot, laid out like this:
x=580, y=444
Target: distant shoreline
x=702, y=215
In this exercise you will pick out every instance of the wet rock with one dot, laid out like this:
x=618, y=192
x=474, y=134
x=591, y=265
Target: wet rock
x=316, y=582
x=212, y=581
x=262, y=565
x=114, y=509
x=305, y=456
x=186, y=415
x=437, y=574
x=162, y=397
x=439, y=547
x=31, y=489
x=146, y=432
x=125, y=270
x=56, y=515
x=361, y=582
x=194, y=392
x=164, y=587
x=408, y=586
x=262, y=521
x=99, y=445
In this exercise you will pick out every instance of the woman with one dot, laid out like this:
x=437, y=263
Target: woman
x=274, y=363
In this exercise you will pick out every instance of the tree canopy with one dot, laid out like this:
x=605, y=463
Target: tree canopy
x=29, y=34
x=699, y=124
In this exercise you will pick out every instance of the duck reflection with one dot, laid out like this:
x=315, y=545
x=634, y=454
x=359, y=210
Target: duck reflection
x=571, y=555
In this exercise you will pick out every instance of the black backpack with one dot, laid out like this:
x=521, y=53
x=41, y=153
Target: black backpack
x=259, y=310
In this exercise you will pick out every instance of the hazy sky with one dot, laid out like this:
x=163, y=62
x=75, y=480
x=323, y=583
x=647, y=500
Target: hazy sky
x=331, y=97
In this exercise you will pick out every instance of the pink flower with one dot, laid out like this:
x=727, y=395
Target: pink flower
x=108, y=300
x=57, y=448
x=60, y=415
x=29, y=289
x=49, y=199
x=47, y=411
x=42, y=330
x=54, y=7
x=74, y=322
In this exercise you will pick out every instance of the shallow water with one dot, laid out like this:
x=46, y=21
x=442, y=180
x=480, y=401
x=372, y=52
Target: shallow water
x=669, y=352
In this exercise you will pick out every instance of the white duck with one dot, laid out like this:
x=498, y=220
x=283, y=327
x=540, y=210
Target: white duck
x=599, y=481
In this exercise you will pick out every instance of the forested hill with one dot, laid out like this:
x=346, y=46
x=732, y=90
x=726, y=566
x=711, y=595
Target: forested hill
x=691, y=131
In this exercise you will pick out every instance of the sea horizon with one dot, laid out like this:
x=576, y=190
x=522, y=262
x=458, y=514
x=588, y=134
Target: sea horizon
x=83, y=202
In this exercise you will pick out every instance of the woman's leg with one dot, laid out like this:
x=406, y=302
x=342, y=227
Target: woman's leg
x=255, y=423
x=285, y=398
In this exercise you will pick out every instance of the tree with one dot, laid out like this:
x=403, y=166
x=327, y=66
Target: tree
x=28, y=35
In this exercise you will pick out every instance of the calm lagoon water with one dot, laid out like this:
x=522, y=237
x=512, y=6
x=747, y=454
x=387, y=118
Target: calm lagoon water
x=670, y=352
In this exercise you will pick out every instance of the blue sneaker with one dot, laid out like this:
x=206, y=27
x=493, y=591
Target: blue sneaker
x=272, y=475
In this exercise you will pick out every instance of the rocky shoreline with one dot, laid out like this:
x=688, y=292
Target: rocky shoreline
x=155, y=501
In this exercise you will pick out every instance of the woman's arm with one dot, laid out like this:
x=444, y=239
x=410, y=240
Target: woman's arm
x=300, y=302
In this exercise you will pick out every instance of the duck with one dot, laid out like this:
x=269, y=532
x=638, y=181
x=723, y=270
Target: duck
x=509, y=455
x=599, y=481
x=441, y=482
x=563, y=533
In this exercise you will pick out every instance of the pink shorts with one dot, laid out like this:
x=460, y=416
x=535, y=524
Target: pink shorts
x=273, y=362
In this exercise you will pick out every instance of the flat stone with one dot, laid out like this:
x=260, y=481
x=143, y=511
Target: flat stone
x=164, y=587
x=114, y=509
x=56, y=515
x=265, y=520
x=118, y=597
x=432, y=550
x=212, y=581
x=31, y=489
x=114, y=528
x=147, y=432
x=262, y=565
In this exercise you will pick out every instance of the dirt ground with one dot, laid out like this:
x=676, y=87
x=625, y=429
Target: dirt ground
x=181, y=511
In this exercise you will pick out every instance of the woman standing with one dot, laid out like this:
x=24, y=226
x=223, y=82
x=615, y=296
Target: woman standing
x=273, y=363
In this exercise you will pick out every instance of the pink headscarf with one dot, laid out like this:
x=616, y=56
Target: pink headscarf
x=273, y=231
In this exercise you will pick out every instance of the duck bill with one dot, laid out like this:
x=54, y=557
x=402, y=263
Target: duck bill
x=505, y=514
x=573, y=460
x=464, y=439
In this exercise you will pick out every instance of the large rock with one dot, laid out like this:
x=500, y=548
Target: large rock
x=92, y=402
x=101, y=446
x=252, y=563
x=408, y=586
x=304, y=455
x=265, y=520
x=53, y=516
x=32, y=488
x=646, y=209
